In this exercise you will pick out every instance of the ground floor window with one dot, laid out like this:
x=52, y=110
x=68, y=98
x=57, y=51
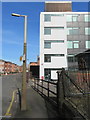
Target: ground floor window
x=71, y=58
x=48, y=72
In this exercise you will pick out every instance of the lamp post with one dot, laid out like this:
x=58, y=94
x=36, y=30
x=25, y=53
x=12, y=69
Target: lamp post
x=23, y=94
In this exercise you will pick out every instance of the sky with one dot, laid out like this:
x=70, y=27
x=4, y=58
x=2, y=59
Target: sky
x=13, y=29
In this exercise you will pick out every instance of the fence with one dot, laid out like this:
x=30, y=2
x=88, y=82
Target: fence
x=47, y=89
x=77, y=90
x=72, y=88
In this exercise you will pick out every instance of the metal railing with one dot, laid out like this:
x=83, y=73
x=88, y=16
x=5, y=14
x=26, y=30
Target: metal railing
x=72, y=88
x=47, y=89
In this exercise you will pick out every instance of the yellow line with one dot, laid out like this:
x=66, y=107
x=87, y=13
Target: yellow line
x=9, y=108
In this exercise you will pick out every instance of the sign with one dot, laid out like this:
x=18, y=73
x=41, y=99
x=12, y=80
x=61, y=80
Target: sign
x=21, y=58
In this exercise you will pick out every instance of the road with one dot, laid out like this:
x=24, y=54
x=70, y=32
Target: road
x=9, y=84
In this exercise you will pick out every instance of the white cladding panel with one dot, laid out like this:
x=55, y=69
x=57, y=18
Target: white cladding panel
x=56, y=62
x=56, y=48
x=57, y=33
x=56, y=21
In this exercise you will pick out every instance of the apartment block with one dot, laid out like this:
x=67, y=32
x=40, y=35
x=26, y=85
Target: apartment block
x=2, y=66
x=9, y=67
x=62, y=36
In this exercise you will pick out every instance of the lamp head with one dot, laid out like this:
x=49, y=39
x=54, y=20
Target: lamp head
x=14, y=14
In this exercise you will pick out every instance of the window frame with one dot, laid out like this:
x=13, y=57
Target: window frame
x=72, y=30
x=73, y=44
x=52, y=41
x=70, y=18
x=49, y=16
x=68, y=42
x=87, y=18
x=87, y=30
x=86, y=44
x=52, y=55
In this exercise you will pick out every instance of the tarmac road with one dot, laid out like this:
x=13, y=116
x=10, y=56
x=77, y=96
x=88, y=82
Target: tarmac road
x=9, y=84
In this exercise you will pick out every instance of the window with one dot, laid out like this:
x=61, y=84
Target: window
x=88, y=44
x=75, y=44
x=47, y=43
x=72, y=31
x=72, y=18
x=47, y=31
x=57, y=27
x=47, y=57
x=70, y=44
x=71, y=58
x=57, y=14
x=69, y=18
x=47, y=17
x=87, y=18
x=57, y=55
x=47, y=73
x=87, y=31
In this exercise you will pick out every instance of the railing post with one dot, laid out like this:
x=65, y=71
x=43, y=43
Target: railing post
x=60, y=91
x=19, y=94
x=37, y=85
x=48, y=88
x=34, y=83
x=42, y=86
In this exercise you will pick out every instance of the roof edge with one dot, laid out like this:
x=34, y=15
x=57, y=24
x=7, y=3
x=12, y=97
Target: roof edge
x=58, y=1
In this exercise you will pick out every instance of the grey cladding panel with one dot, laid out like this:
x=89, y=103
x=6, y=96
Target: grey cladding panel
x=81, y=18
x=81, y=30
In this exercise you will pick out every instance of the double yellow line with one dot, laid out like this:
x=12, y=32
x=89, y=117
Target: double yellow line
x=11, y=103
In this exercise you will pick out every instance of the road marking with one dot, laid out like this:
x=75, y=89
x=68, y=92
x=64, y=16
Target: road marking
x=10, y=106
x=5, y=116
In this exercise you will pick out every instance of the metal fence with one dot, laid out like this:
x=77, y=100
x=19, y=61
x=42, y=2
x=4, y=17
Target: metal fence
x=47, y=89
x=71, y=88
x=76, y=86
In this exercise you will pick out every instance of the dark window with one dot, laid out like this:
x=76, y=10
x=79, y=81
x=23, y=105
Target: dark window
x=47, y=58
x=47, y=44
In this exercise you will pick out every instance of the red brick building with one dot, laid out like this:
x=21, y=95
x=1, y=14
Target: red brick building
x=9, y=67
x=34, y=68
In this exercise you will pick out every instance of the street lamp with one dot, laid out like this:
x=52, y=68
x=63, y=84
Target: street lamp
x=23, y=94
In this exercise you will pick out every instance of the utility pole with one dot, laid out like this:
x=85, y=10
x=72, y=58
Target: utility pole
x=24, y=86
x=23, y=96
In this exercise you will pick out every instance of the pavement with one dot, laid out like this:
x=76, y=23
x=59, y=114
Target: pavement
x=37, y=107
